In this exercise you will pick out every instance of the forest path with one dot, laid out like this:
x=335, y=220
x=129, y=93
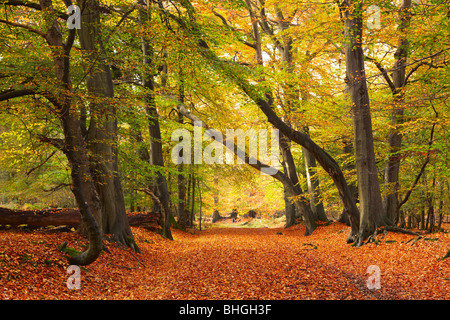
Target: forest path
x=229, y=263
x=246, y=263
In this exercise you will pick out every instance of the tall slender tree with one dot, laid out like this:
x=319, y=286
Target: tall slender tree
x=366, y=169
x=396, y=83
x=156, y=152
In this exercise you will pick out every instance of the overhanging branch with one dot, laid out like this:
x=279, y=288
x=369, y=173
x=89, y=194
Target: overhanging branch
x=11, y=94
x=24, y=26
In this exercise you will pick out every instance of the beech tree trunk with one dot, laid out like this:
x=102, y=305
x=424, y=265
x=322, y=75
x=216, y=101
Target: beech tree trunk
x=366, y=169
x=285, y=49
x=313, y=185
x=325, y=160
x=348, y=150
x=289, y=207
x=156, y=153
x=74, y=146
x=391, y=181
x=40, y=218
x=183, y=214
x=102, y=132
x=291, y=173
x=83, y=188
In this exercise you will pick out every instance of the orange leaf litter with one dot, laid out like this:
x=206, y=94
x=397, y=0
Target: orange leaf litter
x=228, y=263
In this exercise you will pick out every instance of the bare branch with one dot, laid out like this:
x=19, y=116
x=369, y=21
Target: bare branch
x=225, y=23
x=41, y=164
x=422, y=63
x=412, y=63
x=422, y=169
x=235, y=149
x=57, y=143
x=28, y=4
x=58, y=187
x=14, y=24
x=384, y=73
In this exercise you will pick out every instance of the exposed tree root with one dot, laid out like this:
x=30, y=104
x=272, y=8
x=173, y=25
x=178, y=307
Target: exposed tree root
x=359, y=241
x=400, y=230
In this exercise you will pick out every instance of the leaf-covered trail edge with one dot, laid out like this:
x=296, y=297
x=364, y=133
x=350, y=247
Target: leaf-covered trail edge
x=229, y=263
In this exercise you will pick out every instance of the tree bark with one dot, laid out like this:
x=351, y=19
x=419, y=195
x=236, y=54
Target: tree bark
x=156, y=153
x=291, y=173
x=430, y=201
x=183, y=214
x=40, y=218
x=313, y=185
x=156, y=156
x=193, y=199
x=348, y=150
x=289, y=207
x=366, y=169
x=391, y=202
x=74, y=146
x=102, y=132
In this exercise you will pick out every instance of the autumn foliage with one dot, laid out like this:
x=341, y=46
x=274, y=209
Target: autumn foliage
x=229, y=263
x=91, y=118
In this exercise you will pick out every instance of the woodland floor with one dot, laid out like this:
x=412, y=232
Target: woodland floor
x=229, y=263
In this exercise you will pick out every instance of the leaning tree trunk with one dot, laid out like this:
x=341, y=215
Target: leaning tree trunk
x=285, y=147
x=291, y=173
x=366, y=169
x=69, y=218
x=102, y=132
x=348, y=150
x=228, y=70
x=292, y=191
